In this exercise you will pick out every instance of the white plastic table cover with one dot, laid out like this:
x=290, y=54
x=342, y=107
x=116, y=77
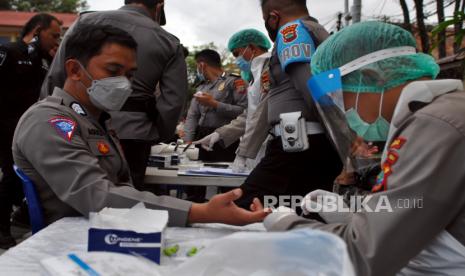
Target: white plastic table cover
x=70, y=235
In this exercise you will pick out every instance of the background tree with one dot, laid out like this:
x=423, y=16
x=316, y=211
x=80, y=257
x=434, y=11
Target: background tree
x=421, y=26
x=65, y=6
x=441, y=36
x=406, y=13
x=458, y=24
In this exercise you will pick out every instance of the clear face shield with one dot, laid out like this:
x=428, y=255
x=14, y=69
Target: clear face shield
x=327, y=93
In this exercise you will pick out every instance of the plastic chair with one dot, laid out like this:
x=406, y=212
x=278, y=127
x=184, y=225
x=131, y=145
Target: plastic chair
x=36, y=216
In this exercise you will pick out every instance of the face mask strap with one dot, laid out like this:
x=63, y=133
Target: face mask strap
x=242, y=54
x=381, y=105
x=85, y=71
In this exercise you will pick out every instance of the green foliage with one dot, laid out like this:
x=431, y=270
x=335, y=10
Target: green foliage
x=458, y=18
x=64, y=6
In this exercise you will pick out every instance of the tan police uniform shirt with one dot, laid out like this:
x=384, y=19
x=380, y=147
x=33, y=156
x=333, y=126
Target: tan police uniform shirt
x=76, y=162
x=425, y=161
x=231, y=93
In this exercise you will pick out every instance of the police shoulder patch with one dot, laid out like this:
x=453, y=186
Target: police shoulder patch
x=265, y=82
x=392, y=157
x=240, y=86
x=78, y=109
x=64, y=126
x=294, y=44
x=3, y=55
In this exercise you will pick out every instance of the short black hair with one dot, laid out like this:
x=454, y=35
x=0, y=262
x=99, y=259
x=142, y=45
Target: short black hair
x=148, y=3
x=41, y=20
x=277, y=4
x=87, y=41
x=209, y=56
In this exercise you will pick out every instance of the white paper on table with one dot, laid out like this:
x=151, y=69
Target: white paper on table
x=137, y=219
x=207, y=171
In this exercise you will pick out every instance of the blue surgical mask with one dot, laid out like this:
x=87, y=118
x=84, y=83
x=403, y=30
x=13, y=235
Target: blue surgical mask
x=372, y=132
x=243, y=64
x=200, y=75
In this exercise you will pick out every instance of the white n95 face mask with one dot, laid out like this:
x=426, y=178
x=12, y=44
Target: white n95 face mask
x=108, y=94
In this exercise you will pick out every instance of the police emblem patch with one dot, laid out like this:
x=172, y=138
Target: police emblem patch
x=240, y=86
x=221, y=86
x=103, y=147
x=289, y=33
x=64, y=126
x=78, y=109
x=265, y=81
x=391, y=159
x=2, y=57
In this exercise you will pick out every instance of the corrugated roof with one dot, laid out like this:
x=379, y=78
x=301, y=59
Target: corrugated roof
x=19, y=19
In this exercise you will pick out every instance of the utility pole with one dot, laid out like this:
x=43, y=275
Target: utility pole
x=339, y=21
x=357, y=11
x=347, y=16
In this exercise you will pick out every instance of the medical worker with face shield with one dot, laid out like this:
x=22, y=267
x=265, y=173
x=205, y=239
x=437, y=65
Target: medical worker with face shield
x=250, y=48
x=419, y=230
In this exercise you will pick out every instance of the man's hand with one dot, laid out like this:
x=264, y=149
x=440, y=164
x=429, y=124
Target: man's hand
x=206, y=100
x=222, y=209
x=362, y=149
x=208, y=141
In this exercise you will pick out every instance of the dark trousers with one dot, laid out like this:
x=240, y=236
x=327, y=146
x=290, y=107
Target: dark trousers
x=137, y=154
x=218, y=154
x=285, y=173
x=11, y=189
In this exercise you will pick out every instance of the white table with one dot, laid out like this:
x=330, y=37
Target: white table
x=69, y=235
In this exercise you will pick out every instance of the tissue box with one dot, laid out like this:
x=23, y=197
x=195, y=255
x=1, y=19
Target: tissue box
x=136, y=231
x=148, y=245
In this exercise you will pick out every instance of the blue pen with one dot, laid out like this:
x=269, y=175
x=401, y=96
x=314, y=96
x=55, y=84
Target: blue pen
x=83, y=265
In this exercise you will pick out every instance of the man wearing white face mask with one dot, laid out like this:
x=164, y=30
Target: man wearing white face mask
x=67, y=146
x=250, y=47
x=144, y=119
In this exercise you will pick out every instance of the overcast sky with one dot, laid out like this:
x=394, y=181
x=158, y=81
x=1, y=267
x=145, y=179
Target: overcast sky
x=197, y=22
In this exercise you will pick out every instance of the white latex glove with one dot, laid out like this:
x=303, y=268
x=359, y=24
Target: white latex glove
x=239, y=165
x=208, y=141
x=310, y=204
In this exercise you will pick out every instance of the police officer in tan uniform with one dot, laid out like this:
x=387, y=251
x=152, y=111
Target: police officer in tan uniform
x=66, y=144
x=220, y=98
x=413, y=223
x=144, y=119
x=23, y=66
